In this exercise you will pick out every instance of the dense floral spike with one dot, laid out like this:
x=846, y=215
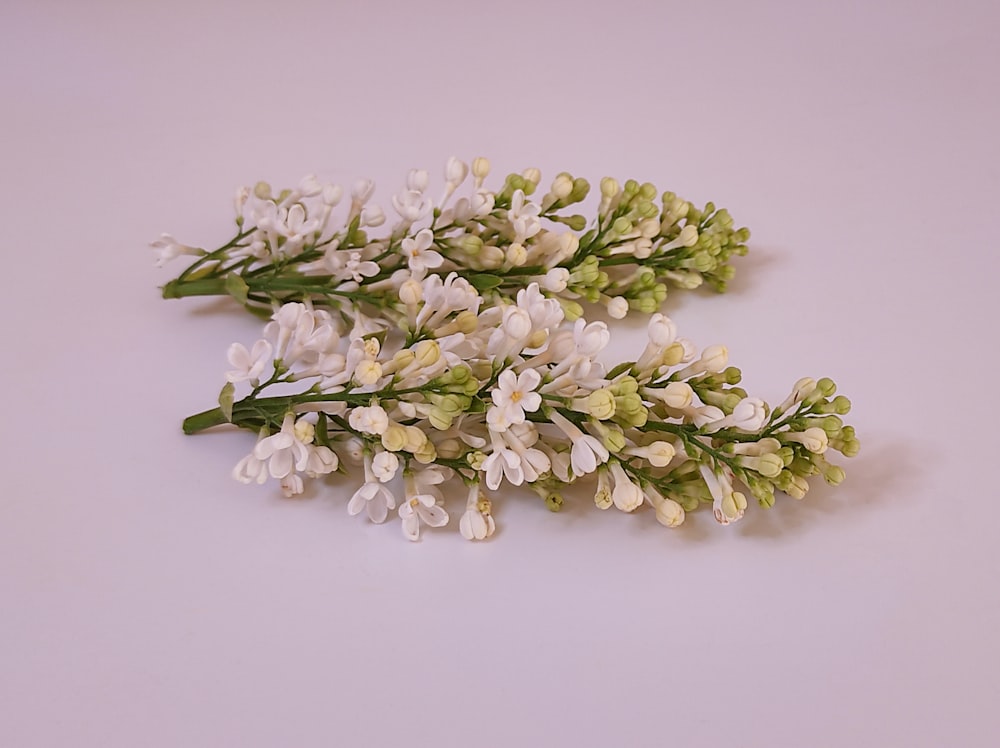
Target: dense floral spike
x=511, y=392
x=309, y=244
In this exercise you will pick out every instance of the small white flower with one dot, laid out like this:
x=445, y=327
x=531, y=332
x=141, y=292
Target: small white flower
x=375, y=498
x=477, y=522
x=545, y=313
x=248, y=365
x=587, y=452
x=418, y=253
x=384, y=466
x=250, y=470
x=167, y=248
x=321, y=461
x=358, y=269
x=420, y=508
x=749, y=414
x=412, y=205
x=602, y=497
x=503, y=463
x=370, y=419
x=523, y=217
x=291, y=485
x=284, y=451
x=514, y=394
x=727, y=505
x=296, y=228
x=590, y=338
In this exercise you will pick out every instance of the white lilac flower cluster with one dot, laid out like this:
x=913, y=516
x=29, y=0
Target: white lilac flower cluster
x=513, y=393
x=451, y=346
x=339, y=251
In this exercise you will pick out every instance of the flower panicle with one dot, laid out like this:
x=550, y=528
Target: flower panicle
x=333, y=248
x=515, y=392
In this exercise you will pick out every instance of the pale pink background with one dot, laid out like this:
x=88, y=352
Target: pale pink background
x=146, y=599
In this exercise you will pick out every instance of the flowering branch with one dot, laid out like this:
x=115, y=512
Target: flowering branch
x=290, y=246
x=508, y=392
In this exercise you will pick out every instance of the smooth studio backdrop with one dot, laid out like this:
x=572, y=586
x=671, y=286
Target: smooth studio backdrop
x=148, y=599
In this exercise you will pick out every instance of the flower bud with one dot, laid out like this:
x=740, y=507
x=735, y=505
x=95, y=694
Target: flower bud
x=618, y=307
x=394, y=437
x=555, y=280
x=262, y=191
x=662, y=331
x=332, y=195
x=368, y=372
x=427, y=353
x=470, y=244
x=455, y=171
x=677, y=395
x=411, y=292
x=417, y=180
x=601, y=404
x=532, y=175
x=814, y=439
x=834, y=475
x=415, y=438
x=562, y=186
x=304, y=431
x=669, y=513
x=516, y=255
x=659, y=453
x=362, y=191
x=426, y=454
x=609, y=188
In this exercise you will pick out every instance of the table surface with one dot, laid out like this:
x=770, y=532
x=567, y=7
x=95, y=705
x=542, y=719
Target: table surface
x=148, y=599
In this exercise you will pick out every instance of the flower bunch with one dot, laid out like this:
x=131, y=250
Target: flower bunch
x=451, y=347
x=510, y=392
x=315, y=243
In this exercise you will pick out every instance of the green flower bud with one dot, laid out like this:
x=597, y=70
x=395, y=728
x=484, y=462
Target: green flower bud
x=614, y=440
x=626, y=385
x=475, y=460
x=553, y=502
x=646, y=304
x=470, y=244
x=842, y=406
x=439, y=419
x=826, y=386
x=601, y=404
x=581, y=188
x=834, y=475
x=571, y=310
x=621, y=226
x=732, y=375
x=609, y=187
